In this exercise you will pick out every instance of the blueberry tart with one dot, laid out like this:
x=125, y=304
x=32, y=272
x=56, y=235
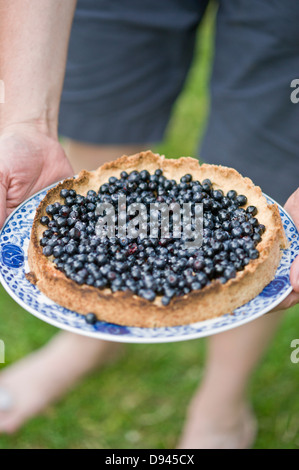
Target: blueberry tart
x=138, y=273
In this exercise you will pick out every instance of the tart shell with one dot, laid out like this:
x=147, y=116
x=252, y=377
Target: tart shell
x=128, y=309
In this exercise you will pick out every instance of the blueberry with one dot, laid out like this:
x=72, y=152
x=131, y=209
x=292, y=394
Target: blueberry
x=147, y=294
x=241, y=200
x=43, y=241
x=44, y=220
x=52, y=241
x=81, y=226
x=226, y=202
x=182, y=263
x=144, y=175
x=247, y=228
x=220, y=235
x=124, y=175
x=48, y=233
x=58, y=251
x=50, y=209
x=251, y=210
x=246, y=260
x=61, y=222
x=230, y=272
x=223, y=215
x=47, y=250
x=82, y=273
x=168, y=185
x=74, y=233
x=207, y=183
x=69, y=201
x=237, y=232
x=209, y=271
x=101, y=283
x=64, y=193
x=217, y=195
x=101, y=259
x=79, y=199
x=253, y=254
x=240, y=253
x=261, y=229
x=232, y=194
x=112, y=180
x=202, y=278
x=208, y=223
x=111, y=276
x=198, y=197
x=219, y=269
x=165, y=300
x=195, y=285
x=71, y=249
x=78, y=264
x=172, y=280
x=64, y=211
x=238, y=265
x=91, y=195
x=256, y=238
x=124, y=241
x=90, y=318
x=186, y=178
x=253, y=221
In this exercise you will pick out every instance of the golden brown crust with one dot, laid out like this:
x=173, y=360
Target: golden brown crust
x=125, y=308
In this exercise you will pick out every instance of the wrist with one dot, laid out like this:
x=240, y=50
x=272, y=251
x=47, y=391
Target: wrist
x=31, y=107
x=42, y=123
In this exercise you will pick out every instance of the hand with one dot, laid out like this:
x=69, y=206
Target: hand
x=292, y=207
x=30, y=160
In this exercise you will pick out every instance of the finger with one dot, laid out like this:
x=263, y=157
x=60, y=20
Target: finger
x=292, y=207
x=288, y=302
x=3, y=214
x=294, y=275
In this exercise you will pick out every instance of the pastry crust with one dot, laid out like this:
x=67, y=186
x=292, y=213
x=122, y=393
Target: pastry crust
x=126, y=308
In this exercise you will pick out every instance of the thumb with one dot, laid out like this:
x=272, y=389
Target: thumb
x=3, y=210
x=292, y=207
x=294, y=275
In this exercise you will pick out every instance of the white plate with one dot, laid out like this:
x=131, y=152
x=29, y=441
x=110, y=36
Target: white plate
x=14, y=241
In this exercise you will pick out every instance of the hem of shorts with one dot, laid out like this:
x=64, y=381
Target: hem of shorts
x=150, y=129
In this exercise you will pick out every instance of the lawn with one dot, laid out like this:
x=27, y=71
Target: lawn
x=140, y=401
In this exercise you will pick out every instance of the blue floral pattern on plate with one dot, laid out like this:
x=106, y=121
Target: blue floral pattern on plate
x=14, y=241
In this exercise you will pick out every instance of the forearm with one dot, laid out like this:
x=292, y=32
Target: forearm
x=34, y=38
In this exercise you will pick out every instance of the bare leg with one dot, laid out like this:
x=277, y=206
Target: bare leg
x=47, y=374
x=219, y=415
x=91, y=157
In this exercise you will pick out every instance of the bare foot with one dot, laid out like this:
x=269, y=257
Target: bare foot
x=28, y=386
x=218, y=427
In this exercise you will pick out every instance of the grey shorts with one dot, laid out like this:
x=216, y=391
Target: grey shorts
x=128, y=61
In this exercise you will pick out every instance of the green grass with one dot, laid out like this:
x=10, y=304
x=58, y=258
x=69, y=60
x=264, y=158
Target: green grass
x=140, y=402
